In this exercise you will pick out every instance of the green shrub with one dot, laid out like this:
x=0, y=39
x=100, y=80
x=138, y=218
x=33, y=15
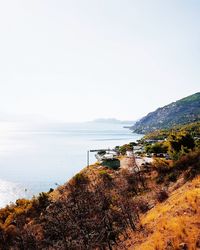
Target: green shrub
x=124, y=148
x=105, y=175
x=112, y=164
x=103, y=172
x=80, y=179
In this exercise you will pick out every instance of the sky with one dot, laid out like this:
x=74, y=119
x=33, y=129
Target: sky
x=75, y=60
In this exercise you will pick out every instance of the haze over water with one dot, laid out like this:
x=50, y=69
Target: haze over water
x=35, y=158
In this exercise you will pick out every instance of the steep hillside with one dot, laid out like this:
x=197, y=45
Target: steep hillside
x=101, y=208
x=191, y=128
x=173, y=224
x=184, y=111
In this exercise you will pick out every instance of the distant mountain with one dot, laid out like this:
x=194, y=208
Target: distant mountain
x=182, y=111
x=112, y=121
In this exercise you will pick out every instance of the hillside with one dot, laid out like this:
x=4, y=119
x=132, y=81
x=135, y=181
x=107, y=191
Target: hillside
x=191, y=128
x=183, y=111
x=101, y=208
x=173, y=224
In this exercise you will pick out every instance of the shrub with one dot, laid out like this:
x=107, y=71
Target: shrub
x=172, y=176
x=124, y=148
x=180, y=143
x=190, y=174
x=51, y=190
x=80, y=179
x=143, y=206
x=111, y=163
x=162, y=166
x=158, y=147
x=162, y=195
x=43, y=200
x=105, y=175
x=191, y=159
x=159, y=179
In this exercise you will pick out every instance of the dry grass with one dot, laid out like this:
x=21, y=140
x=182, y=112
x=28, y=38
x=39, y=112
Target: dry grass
x=175, y=221
x=168, y=224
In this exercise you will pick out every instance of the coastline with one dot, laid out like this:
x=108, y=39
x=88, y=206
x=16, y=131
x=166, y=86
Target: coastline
x=45, y=158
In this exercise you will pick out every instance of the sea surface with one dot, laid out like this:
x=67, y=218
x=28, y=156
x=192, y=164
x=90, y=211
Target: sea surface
x=37, y=157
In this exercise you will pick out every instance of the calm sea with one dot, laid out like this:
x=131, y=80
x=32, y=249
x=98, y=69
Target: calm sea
x=35, y=158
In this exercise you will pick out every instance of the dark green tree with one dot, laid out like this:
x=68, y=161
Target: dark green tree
x=180, y=143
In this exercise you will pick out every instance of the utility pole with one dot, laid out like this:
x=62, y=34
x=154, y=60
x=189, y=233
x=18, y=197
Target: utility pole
x=88, y=158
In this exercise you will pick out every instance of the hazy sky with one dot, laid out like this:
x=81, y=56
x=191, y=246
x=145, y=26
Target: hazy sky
x=83, y=59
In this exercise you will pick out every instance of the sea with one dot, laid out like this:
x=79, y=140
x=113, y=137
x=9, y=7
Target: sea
x=35, y=157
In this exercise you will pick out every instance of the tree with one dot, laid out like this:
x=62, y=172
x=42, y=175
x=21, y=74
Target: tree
x=158, y=147
x=124, y=148
x=180, y=143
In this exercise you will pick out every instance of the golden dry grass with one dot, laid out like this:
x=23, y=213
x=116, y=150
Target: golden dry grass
x=174, y=221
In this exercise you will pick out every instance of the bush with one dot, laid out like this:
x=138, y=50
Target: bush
x=180, y=143
x=162, y=166
x=159, y=179
x=43, y=200
x=112, y=164
x=124, y=148
x=51, y=190
x=162, y=195
x=105, y=175
x=158, y=147
x=172, y=176
x=143, y=206
x=80, y=179
x=191, y=159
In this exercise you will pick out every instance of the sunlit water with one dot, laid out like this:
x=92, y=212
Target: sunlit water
x=35, y=158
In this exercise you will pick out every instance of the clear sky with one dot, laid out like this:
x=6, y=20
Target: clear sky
x=77, y=60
